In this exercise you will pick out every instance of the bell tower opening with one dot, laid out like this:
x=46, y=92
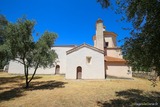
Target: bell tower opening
x=106, y=44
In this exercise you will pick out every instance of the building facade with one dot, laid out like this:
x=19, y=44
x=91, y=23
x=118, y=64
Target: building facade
x=100, y=61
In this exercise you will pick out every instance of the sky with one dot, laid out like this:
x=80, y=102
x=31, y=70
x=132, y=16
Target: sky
x=73, y=20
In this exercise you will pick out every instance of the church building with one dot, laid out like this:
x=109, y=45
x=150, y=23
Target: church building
x=100, y=61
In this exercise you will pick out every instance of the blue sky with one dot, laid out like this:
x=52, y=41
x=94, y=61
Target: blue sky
x=73, y=20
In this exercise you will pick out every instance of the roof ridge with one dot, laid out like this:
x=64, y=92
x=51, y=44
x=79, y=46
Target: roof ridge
x=84, y=45
x=64, y=46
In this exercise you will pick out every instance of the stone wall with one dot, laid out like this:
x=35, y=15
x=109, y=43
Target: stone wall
x=145, y=75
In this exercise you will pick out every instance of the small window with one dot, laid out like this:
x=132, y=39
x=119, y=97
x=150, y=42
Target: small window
x=88, y=59
x=106, y=44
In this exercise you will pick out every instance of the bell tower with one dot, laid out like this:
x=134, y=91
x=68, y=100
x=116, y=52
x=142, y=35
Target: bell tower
x=99, y=35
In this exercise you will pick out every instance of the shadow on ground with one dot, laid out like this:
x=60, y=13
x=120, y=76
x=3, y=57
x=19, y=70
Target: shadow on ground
x=5, y=80
x=20, y=91
x=47, y=85
x=10, y=94
x=133, y=98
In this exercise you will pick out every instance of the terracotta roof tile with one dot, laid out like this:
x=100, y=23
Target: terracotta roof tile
x=106, y=33
x=109, y=33
x=99, y=21
x=113, y=59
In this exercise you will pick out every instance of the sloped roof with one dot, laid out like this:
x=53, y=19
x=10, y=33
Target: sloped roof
x=64, y=46
x=105, y=34
x=113, y=59
x=109, y=33
x=115, y=48
x=99, y=20
x=82, y=46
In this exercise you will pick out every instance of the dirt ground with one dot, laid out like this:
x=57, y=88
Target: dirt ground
x=55, y=91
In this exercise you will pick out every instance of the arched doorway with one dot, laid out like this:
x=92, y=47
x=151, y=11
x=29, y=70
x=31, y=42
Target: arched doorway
x=57, y=69
x=79, y=72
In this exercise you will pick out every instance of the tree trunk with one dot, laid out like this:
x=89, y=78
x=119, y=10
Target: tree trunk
x=34, y=73
x=26, y=73
x=27, y=84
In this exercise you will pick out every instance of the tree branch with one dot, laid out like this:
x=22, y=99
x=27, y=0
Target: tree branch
x=19, y=61
x=34, y=72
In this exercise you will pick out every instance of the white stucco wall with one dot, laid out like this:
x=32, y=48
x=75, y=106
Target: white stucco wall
x=17, y=68
x=111, y=40
x=94, y=70
x=61, y=51
x=114, y=53
x=94, y=43
x=118, y=70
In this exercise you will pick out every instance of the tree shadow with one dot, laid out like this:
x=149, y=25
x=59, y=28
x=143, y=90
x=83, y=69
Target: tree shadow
x=40, y=85
x=5, y=80
x=133, y=98
x=46, y=85
x=10, y=94
x=15, y=79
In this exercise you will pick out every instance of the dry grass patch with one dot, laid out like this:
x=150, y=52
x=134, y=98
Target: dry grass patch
x=55, y=91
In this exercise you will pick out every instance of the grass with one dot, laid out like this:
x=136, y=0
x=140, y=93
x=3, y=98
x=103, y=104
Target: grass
x=55, y=91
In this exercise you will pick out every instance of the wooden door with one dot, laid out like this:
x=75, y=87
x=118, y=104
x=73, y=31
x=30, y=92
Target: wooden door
x=57, y=69
x=79, y=72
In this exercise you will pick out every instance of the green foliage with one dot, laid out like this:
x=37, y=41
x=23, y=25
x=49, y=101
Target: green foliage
x=142, y=48
x=27, y=52
x=4, y=51
x=42, y=52
x=104, y=3
x=20, y=38
x=140, y=12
